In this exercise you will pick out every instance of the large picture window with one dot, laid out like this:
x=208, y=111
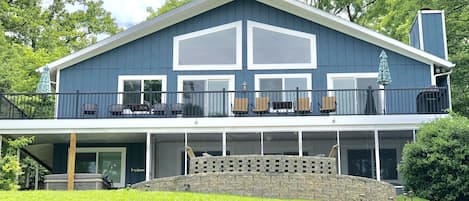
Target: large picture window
x=142, y=89
x=271, y=47
x=217, y=48
x=110, y=162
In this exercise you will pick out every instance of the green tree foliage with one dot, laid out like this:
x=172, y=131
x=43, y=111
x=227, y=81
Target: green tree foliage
x=436, y=166
x=394, y=18
x=167, y=6
x=9, y=164
x=31, y=36
x=352, y=9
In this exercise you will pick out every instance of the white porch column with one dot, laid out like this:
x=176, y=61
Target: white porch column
x=377, y=160
x=223, y=143
x=148, y=158
x=413, y=135
x=185, y=153
x=300, y=143
x=339, y=168
x=262, y=143
x=36, y=176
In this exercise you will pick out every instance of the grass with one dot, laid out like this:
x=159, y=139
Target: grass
x=402, y=198
x=118, y=195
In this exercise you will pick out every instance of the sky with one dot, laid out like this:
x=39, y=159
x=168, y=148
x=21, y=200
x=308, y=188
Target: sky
x=126, y=12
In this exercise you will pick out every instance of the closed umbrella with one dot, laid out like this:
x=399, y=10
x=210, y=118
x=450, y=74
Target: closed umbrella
x=384, y=76
x=370, y=107
x=44, y=82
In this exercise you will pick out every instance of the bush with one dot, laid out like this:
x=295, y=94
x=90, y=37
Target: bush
x=436, y=166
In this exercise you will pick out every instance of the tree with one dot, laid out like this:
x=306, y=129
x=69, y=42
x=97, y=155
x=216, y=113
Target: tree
x=33, y=36
x=352, y=9
x=10, y=165
x=436, y=166
x=167, y=6
x=394, y=18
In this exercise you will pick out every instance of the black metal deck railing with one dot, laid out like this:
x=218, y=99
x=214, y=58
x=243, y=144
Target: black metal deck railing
x=224, y=103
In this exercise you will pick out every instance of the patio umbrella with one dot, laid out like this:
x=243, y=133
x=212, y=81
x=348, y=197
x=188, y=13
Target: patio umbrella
x=370, y=107
x=384, y=76
x=44, y=82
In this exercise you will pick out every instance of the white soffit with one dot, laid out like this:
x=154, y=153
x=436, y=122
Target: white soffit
x=328, y=20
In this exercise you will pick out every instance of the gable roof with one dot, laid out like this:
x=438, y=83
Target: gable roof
x=294, y=7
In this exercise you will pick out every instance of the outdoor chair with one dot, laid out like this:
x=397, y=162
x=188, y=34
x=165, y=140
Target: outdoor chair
x=333, y=152
x=159, y=109
x=90, y=109
x=262, y=105
x=177, y=108
x=240, y=106
x=116, y=109
x=328, y=104
x=303, y=105
x=190, y=152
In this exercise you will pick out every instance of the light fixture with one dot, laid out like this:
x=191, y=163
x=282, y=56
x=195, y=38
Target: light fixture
x=244, y=86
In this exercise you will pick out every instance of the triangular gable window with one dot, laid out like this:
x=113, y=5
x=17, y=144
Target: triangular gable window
x=271, y=47
x=217, y=48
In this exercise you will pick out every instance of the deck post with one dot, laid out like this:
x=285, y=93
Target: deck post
x=71, y=161
x=339, y=168
x=300, y=142
x=413, y=135
x=377, y=160
x=224, y=143
x=148, y=157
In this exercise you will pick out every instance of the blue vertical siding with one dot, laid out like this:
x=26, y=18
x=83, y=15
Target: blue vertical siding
x=433, y=35
x=135, y=156
x=414, y=37
x=152, y=54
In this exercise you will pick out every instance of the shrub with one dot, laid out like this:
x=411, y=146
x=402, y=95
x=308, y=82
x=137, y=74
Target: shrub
x=436, y=166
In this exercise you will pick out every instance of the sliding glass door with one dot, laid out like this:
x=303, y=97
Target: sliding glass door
x=205, y=97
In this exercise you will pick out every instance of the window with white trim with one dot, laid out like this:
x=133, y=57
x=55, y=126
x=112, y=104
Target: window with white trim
x=271, y=47
x=141, y=89
x=282, y=87
x=110, y=162
x=206, y=94
x=217, y=48
x=355, y=101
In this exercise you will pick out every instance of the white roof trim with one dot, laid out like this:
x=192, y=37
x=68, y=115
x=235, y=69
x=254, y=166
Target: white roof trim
x=291, y=6
x=318, y=16
x=145, y=28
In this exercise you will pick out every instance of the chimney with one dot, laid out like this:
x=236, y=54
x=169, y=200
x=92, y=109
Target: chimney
x=428, y=32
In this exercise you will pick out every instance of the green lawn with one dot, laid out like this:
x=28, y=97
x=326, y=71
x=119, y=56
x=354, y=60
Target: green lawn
x=128, y=195
x=117, y=195
x=402, y=198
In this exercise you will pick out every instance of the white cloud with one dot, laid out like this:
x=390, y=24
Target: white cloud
x=130, y=12
x=126, y=12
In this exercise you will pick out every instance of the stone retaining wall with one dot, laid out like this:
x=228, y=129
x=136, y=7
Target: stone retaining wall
x=320, y=187
x=258, y=163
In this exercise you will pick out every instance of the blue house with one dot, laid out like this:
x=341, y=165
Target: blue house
x=235, y=77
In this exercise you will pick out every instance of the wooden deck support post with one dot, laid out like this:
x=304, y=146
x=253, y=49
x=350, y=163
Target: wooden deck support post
x=71, y=161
